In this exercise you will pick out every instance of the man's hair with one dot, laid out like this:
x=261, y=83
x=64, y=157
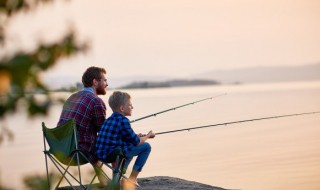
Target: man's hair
x=118, y=99
x=92, y=73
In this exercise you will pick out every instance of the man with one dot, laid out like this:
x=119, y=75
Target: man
x=88, y=110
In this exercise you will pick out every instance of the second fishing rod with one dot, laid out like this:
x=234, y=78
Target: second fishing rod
x=177, y=107
x=235, y=122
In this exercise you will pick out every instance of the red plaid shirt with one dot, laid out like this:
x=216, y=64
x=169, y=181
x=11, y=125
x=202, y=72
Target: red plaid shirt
x=89, y=111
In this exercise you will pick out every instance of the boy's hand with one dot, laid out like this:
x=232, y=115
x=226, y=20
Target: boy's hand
x=151, y=135
x=141, y=135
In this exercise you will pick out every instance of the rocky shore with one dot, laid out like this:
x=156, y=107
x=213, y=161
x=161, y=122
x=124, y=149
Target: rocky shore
x=165, y=183
x=170, y=183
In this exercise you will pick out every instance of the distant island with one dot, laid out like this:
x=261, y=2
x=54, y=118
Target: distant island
x=266, y=74
x=170, y=83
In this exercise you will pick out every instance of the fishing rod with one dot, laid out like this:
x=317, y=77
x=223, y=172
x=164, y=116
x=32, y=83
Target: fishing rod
x=234, y=122
x=155, y=114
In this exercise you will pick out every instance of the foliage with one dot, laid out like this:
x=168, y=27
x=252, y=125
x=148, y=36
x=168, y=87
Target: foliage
x=39, y=182
x=23, y=70
x=4, y=188
x=19, y=73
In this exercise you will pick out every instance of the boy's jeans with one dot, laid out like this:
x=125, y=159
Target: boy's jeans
x=142, y=151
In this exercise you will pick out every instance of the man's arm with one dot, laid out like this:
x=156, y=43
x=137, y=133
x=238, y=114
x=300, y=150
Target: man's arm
x=99, y=113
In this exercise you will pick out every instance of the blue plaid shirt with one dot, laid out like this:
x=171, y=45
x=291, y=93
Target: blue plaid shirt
x=116, y=132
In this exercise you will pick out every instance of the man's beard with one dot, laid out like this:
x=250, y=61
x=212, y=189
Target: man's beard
x=101, y=90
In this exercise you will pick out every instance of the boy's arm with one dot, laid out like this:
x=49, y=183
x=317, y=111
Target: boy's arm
x=130, y=136
x=143, y=139
x=127, y=132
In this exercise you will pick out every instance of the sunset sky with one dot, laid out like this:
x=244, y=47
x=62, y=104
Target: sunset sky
x=175, y=37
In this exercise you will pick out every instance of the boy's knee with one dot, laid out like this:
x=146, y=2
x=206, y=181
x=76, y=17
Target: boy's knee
x=147, y=146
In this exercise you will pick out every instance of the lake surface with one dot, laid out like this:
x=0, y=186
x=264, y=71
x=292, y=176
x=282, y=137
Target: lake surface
x=272, y=154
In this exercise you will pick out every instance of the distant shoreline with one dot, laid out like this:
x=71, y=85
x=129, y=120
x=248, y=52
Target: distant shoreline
x=246, y=75
x=169, y=83
x=150, y=84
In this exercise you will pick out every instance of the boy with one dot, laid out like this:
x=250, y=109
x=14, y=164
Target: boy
x=116, y=132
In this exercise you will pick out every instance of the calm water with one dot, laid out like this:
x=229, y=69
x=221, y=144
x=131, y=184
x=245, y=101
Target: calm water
x=272, y=154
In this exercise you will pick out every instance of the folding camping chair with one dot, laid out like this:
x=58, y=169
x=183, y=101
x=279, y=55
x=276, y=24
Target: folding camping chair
x=63, y=150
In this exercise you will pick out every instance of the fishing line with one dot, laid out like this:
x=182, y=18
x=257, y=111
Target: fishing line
x=234, y=122
x=171, y=109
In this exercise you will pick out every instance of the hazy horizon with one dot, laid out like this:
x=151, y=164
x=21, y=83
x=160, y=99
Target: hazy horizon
x=181, y=37
x=256, y=74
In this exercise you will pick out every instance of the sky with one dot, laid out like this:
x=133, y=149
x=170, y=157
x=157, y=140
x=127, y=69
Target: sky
x=175, y=38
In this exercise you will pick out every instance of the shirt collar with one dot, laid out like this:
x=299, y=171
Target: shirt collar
x=88, y=89
x=117, y=113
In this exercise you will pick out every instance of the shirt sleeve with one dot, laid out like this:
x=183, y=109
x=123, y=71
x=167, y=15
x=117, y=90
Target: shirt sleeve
x=128, y=134
x=99, y=113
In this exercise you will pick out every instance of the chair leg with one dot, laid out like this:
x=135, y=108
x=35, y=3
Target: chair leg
x=63, y=174
x=97, y=169
x=116, y=174
x=46, y=158
x=45, y=155
x=79, y=169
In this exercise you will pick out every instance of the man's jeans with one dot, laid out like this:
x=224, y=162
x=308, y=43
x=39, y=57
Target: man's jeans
x=142, y=151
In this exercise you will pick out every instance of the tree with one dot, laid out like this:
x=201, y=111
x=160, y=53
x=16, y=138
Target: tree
x=19, y=72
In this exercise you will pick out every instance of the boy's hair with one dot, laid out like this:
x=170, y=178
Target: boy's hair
x=118, y=99
x=92, y=73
